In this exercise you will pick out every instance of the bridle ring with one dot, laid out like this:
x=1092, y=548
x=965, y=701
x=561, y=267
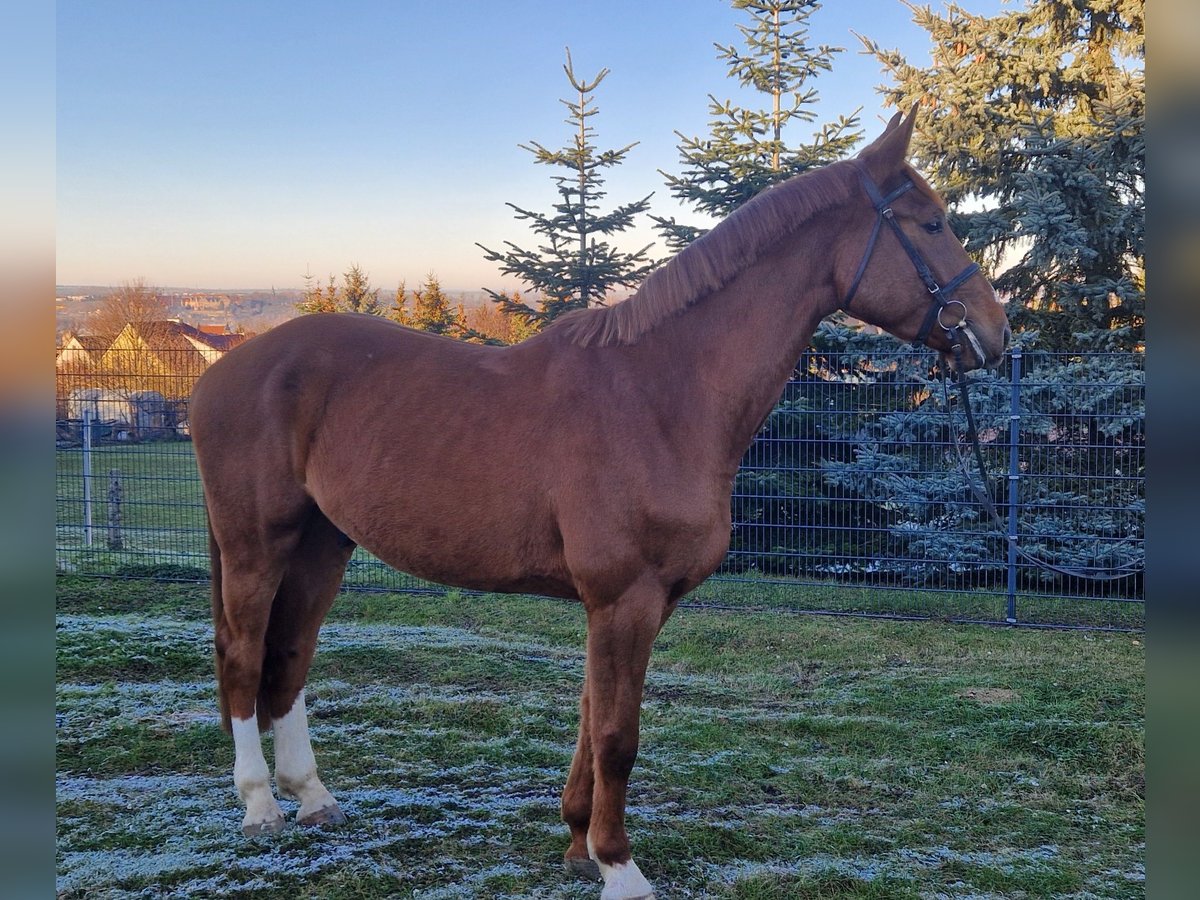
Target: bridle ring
x=946, y=306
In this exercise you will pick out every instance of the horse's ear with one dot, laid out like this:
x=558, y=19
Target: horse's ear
x=888, y=152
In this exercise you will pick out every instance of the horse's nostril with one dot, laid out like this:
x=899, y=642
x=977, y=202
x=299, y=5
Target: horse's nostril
x=1007, y=336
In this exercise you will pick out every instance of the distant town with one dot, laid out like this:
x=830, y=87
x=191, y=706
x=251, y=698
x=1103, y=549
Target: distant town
x=235, y=310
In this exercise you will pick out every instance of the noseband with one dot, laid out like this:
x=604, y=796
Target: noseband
x=942, y=296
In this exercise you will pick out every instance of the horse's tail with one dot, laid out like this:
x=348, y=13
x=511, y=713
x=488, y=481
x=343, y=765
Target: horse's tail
x=218, y=612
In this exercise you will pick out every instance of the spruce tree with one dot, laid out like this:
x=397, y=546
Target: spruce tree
x=357, y=293
x=399, y=311
x=317, y=299
x=431, y=308
x=1033, y=133
x=575, y=267
x=746, y=151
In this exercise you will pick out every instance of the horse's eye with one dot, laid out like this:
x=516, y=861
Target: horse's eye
x=934, y=227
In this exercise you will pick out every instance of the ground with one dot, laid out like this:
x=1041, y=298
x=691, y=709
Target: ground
x=783, y=756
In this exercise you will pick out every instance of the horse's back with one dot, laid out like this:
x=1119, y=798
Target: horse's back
x=331, y=346
x=296, y=367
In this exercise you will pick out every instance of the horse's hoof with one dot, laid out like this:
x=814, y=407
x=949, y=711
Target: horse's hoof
x=258, y=829
x=582, y=867
x=326, y=815
x=625, y=881
x=606, y=894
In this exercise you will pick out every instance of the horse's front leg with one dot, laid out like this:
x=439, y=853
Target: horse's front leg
x=620, y=635
x=577, y=797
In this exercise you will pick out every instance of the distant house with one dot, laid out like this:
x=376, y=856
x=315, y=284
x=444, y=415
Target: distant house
x=140, y=379
x=80, y=351
x=214, y=341
x=165, y=355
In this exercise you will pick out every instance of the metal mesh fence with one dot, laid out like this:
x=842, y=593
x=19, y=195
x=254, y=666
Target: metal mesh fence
x=861, y=477
x=854, y=498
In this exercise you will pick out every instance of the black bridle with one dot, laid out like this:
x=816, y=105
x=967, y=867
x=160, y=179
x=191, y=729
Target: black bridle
x=942, y=295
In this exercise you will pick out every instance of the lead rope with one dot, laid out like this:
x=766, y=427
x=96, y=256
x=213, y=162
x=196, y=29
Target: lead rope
x=983, y=494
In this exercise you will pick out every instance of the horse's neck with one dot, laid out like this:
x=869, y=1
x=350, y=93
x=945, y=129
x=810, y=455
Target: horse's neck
x=741, y=344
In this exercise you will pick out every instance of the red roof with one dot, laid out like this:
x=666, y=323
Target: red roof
x=165, y=335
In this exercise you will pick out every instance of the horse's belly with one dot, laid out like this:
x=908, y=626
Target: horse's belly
x=471, y=547
x=475, y=571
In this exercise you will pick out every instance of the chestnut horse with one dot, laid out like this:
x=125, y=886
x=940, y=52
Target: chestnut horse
x=332, y=431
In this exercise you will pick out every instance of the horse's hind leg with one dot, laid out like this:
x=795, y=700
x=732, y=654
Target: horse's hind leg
x=248, y=585
x=310, y=583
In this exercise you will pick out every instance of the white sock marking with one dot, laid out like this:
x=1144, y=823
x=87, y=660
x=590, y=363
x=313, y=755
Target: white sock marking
x=251, y=776
x=295, y=765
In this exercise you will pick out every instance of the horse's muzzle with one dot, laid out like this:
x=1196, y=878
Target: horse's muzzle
x=968, y=353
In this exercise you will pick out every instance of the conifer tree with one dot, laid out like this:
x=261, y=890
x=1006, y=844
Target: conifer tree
x=490, y=324
x=746, y=150
x=575, y=267
x=357, y=293
x=317, y=299
x=1033, y=132
x=486, y=324
x=399, y=311
x=431, y=308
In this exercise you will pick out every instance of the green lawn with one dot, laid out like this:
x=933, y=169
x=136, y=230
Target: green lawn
x=162, y=507
x=783, y=756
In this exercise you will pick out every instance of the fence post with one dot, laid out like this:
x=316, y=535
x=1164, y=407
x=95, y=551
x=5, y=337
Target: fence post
x=115, y=541
x=1014, y=442
x=87, y=476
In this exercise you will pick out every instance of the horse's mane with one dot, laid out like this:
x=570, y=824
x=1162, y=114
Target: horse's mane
x=714, y=260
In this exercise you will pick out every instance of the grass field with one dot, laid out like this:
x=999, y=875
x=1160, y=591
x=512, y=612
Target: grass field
x=782, y=756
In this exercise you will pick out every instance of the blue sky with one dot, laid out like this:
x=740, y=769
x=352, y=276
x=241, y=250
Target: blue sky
x=241, y=144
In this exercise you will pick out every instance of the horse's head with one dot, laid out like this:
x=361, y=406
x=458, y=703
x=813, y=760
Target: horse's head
x=905, y=271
